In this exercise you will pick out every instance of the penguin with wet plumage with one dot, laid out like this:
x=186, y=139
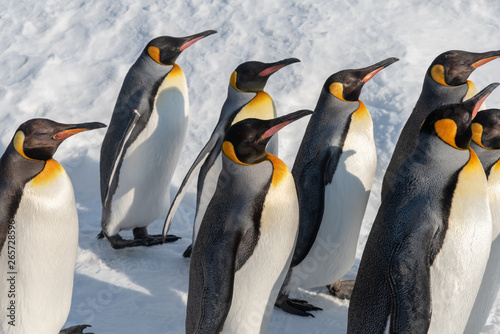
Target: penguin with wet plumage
x=247, y=235
x=245, y=99
x=38, y=230
x=143, y=143
x=333, y=172
x=486, y=143
x=429, y=244
x=445, y=82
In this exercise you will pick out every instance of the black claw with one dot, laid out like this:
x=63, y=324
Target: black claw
x=297, y=307
x=75, y=330
x=188, y=251
x=171, y=238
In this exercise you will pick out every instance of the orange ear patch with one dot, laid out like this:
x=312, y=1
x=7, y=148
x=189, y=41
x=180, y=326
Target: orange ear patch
x=477, y=133
x=446, y=129
x=228, y=149
x=337, y=90
x=437, y=73
x=154, y=53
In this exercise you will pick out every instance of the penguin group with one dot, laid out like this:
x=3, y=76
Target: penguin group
x=260, y=229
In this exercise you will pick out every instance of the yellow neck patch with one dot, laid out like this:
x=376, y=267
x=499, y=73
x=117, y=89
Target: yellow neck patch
x=19, y=144
x=495, y=168
x=154, y=53
x=175, y=72
x=446, y=129
x=471, y=91
x=337, y=90
x=260, y=107
x=50, y=172
x=361, y=113
x=474, y=163
x=280, y=170
x=437, y=73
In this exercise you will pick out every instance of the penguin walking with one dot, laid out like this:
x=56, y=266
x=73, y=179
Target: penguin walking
x=38, y=229
x=486, y=144
x=246, y=239
x=427, y=250
x=245, y=99
x=333, y=173
x=143, y=142
x=445, y=82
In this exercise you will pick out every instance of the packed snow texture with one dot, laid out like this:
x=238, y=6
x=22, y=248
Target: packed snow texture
x=66, y=60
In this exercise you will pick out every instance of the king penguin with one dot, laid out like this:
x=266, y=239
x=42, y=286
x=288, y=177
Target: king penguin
x=245, y=99
x=486, y=144
x=427, y=250
x=445, y=82
x=247, y=235
x=38, y=230
x=333, y=173
x=143, y=143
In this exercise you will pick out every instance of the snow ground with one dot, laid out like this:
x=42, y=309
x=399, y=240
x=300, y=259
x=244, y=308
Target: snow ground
x=66, y=60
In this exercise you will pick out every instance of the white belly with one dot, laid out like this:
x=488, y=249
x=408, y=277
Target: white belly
x=334, y=250
x=143, y=192
x=257, y=283
x=209, y=187
x=46, y=243
x=490, y=285
x=458, y=268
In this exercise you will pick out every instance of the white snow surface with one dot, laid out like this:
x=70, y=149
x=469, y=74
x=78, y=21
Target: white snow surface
x=66, y=60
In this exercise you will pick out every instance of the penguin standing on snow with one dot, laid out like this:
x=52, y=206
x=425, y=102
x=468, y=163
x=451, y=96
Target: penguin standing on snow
x=247, y=235
x=445, y=83
x=38, y=230
x=428, y=248
x=486, y=143
x=333, y=172
x=245, y=99
x=143, y=143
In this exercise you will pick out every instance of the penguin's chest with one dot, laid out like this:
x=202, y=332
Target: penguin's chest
x=257, y=283
x=458, y=268
x=150, y=160
x=45, y=242
x=334, y=249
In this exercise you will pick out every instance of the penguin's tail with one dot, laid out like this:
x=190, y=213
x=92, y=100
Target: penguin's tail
x=100, y=235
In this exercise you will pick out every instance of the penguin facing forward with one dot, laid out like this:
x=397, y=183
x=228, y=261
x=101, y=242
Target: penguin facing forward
x=245, y=99
x=333, y=172
x=246, y=239
x=143, y=143
x=427, y=250
x=445, y=82
x=38, y=229
x=486, y=144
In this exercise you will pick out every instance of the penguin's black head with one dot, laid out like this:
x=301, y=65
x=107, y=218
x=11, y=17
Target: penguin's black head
x=248, y=138
x=39, y=138
x=486, y=129
x=452, y=123
x=346, y=85
x=165, y=49
x=252, y=76
x=452, y=68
